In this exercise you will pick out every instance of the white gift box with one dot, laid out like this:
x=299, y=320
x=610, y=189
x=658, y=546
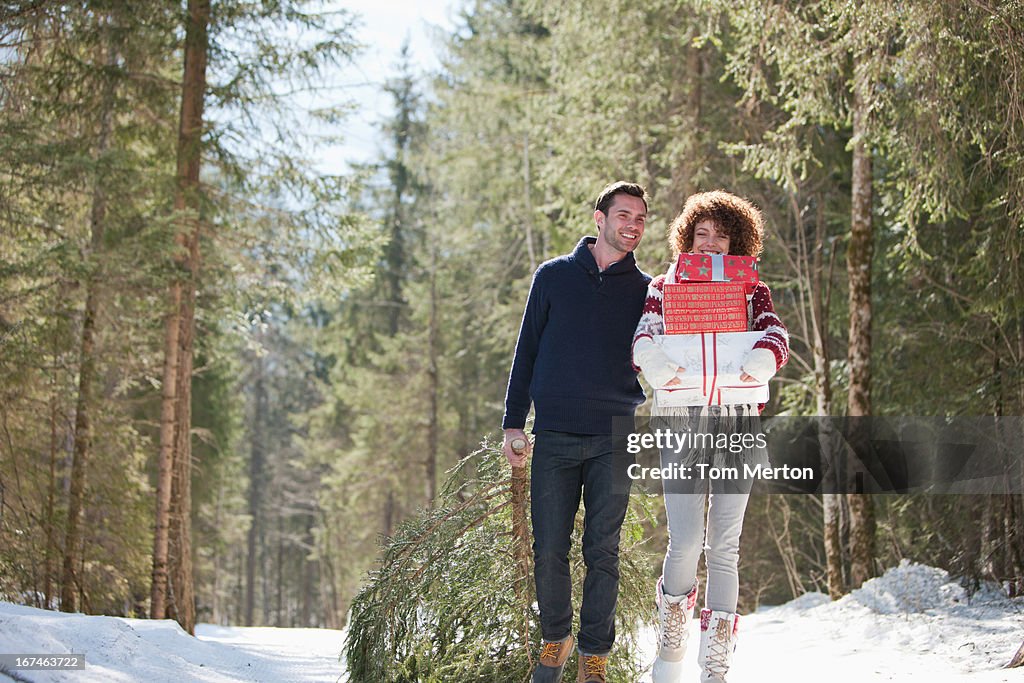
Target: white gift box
x=712, y=367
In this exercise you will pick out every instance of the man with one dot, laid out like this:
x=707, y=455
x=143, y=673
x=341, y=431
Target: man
x=573, y=361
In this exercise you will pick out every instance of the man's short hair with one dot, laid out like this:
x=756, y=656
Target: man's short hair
x=607, y=196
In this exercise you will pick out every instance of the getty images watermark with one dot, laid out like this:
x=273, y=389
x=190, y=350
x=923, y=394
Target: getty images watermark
x=823, y=454
x=678, y=444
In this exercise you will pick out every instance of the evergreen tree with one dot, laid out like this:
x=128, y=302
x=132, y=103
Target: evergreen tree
x=79, y=184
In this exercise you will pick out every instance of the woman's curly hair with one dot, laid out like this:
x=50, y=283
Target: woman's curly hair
x=735, y=216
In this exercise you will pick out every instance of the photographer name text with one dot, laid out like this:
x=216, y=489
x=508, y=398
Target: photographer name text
x=716, y=473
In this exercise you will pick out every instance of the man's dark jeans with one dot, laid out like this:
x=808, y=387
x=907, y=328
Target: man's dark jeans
x=564, y=467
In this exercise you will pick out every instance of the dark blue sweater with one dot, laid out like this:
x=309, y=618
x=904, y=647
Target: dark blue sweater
x=573, y=357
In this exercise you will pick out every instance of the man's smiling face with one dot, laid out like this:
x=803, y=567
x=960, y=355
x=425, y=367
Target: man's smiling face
x=623, y=227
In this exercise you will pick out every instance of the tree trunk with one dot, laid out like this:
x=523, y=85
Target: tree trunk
x=278, y=612
x=328, y=578
x=307, y=574
x=433, y=428
x=175, y=415
x=400, y=218
x=389, y=513
x=71, y=582
x=239, y=601
x=217, y=559
x=256, y=460
x=168, y=418
x=181, y=575
x=858, y=264
x=528, y=203
x=1020, y=357
x=51, y=506
x=265, y=568
x=1005, y=553
x=518, y=488
x=696, y=158
x=831, y=500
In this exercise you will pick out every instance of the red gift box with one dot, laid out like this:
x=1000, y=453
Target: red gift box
x=697, y=307
x=718, y=268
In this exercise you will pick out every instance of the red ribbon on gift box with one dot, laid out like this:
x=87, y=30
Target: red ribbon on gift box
x=714, y=375
x=704, y=364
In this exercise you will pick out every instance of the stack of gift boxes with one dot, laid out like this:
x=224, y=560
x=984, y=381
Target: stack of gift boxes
x=706, y=331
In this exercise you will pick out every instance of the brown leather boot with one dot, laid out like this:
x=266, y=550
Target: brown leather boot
x=553, y=656
x=592, y=669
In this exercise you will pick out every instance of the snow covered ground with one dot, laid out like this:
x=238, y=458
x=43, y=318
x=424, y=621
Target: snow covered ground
x=142, y=651
x=913, y=624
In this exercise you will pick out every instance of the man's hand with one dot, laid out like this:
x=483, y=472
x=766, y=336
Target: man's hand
x=516, y=459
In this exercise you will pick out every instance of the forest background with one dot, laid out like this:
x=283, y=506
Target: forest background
x=226, y=376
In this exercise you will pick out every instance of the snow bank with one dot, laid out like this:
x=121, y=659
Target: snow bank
x=908, y=588
x=131, y=650
x=914, y=618
x=911, y=624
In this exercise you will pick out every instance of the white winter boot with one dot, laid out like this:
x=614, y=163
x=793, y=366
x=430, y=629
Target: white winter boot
x=717, y=643
x=675, y=612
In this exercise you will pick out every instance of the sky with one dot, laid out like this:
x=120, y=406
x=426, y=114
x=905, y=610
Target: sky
x=383, y=26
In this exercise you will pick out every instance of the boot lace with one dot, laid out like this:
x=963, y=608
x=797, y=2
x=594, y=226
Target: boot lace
x=551, y=651
x=719, y=650
x=595, y=665
x=675, y=626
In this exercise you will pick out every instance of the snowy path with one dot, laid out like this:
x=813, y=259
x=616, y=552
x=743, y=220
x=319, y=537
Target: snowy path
x=306, y=655
x=913, y=624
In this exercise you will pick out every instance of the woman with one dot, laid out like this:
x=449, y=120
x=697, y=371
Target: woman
x=716, y=223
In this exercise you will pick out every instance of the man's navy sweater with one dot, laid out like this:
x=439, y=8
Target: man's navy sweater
x=574, y=354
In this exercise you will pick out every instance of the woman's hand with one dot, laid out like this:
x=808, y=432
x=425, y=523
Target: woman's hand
x=759, y=366
x=675, y=381
x=658, y=369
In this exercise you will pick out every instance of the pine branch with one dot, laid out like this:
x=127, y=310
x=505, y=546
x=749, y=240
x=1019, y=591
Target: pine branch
x=449, y=602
